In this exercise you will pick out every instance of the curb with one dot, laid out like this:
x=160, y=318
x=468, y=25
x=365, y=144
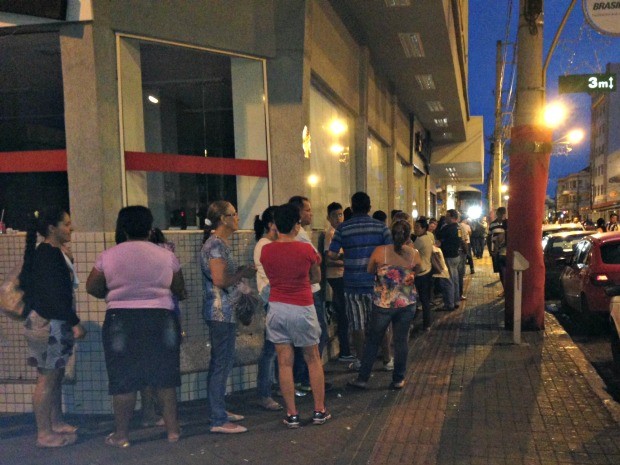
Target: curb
x=592, y=377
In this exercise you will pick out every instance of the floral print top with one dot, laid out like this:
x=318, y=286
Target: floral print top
x=217, y=302
x=394, y=287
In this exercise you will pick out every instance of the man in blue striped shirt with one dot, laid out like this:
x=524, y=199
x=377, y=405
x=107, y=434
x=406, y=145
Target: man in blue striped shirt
x=358, y=237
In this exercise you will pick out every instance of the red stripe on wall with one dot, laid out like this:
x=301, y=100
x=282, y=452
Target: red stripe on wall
x=141, y=161
x=35, y=161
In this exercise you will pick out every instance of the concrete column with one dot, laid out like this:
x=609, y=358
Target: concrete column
x=94, y=163
x=361, y=125
x=288, y=82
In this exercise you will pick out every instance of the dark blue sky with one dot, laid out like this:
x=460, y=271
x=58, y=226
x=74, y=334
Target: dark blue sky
x=581, y=50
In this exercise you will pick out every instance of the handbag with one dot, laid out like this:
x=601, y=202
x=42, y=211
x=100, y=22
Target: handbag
x=246, y=302
x=437, y=262
x=11, y=296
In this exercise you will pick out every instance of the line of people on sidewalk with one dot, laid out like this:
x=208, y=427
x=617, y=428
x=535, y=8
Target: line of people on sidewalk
x=376, y=275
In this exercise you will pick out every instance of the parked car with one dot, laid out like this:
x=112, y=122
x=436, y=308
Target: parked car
x=595, y=264
x=557, y=251
x=560, y=227
x=614, y=316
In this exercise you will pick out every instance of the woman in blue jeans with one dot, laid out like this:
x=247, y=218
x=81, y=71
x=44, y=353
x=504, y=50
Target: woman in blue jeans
x=394, y=302
x=221, y=275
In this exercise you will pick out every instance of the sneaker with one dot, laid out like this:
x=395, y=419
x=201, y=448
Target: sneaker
x=388, y=366
x=346, y=358
x=303, y=387
x=357, y=383
x=318, y=418
x=463, y=297
x=292, y=421
x=356, y=365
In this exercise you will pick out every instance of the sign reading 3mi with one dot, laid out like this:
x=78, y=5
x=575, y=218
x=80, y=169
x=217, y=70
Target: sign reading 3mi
x=590, y=83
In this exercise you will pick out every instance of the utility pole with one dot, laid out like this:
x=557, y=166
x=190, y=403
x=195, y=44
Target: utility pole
x=496, y=183
x=530, y=152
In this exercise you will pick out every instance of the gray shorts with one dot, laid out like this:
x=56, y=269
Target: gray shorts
x=293, y=324
x=358, y=308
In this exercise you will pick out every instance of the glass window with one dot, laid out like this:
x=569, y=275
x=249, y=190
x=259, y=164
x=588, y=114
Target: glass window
x=610, y=254
x=332, y=168
x=31, y=120
x=194, y=131
x=400, y=184
x=376, y=169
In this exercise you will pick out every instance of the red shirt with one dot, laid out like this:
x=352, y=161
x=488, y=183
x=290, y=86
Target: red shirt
x=287, y=266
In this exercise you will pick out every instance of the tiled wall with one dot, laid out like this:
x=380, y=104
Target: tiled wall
x=88, y=391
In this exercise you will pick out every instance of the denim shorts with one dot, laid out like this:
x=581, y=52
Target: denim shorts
x=293, y=324
x=142, y=348
x=50, y=342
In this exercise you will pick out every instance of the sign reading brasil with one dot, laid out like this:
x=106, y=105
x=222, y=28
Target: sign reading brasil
x=591, y=83
x=604, y=16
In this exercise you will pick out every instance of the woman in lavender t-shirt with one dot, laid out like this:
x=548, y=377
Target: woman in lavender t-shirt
x=141, y=333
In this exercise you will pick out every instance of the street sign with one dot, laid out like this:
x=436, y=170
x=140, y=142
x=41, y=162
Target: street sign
x=590, y=83
x=604, y=16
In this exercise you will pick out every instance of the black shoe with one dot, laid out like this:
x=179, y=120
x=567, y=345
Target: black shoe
x=318, y=418
x=357, y=383
x=292, y=421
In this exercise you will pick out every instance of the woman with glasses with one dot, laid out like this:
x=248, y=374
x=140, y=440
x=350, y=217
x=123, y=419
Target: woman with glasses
x=221, y=274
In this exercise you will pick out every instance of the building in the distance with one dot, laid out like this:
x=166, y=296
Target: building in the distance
x=573, y=198
x=605, y=150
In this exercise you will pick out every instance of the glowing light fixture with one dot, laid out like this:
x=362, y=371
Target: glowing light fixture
x=153, y=99
x=575, y=136
x=474, y=212
x=337, y=127
x=336, y=149
x=554, y=114
x=504, y=188
x=313, y=180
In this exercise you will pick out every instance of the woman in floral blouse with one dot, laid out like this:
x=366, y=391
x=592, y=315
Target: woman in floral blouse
x=221, y=275
x=394, y=301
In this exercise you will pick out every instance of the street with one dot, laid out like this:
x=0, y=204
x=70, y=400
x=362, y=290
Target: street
x=592, y=337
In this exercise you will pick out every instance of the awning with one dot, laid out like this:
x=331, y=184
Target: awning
x=461, y=163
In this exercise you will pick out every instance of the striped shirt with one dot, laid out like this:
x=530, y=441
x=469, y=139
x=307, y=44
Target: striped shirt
x=358, y=237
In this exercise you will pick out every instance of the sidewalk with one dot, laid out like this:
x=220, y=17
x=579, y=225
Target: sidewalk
x=472, y=397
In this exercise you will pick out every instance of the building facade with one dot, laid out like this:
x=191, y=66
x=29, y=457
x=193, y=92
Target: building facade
x=573, y=198
x=605, y=150
x=175, y=104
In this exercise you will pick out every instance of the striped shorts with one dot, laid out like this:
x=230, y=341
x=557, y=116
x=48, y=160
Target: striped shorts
x=358, y=308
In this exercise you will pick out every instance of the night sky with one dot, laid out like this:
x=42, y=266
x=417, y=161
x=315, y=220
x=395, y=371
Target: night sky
x=581, y=50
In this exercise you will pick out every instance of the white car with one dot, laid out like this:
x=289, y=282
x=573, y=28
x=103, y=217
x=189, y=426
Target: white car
x=556, y=228
x=614, y=316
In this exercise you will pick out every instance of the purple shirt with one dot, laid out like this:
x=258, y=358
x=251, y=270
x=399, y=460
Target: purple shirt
x=138, y=274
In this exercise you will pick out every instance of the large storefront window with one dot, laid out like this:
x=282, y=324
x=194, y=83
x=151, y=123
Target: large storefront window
x=33, y=160
x=193, y=131
x=400, y=184
x=331, y=161
x=377, y=185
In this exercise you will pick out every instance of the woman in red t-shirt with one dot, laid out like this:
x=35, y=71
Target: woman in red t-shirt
x=291, y=266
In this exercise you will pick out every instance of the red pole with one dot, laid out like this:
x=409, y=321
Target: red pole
x=530, y=149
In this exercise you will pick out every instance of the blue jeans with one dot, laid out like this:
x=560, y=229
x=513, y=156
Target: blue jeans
x=223, y=337
x=380, y=319
x=453, y=264
x=266, y=366
x=424, y=286
x=447, y=292
x=300, y=369
x=337, y=285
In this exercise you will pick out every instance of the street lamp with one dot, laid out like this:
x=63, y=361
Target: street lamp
x=564, y=145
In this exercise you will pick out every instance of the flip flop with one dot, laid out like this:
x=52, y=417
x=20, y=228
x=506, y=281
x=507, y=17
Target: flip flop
x=112, y=442
x=64, y=440
x=65, y=428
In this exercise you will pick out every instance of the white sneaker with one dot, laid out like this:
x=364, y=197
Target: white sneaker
x=389, y=366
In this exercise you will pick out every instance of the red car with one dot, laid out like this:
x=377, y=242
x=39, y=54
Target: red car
x=595, y=265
